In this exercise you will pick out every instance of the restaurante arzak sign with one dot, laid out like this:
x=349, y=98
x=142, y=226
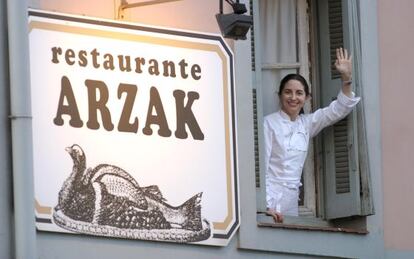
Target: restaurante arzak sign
x=184, y=113
x=133, y=131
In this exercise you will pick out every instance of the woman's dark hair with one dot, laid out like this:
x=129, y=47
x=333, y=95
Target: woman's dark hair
x=297, y=77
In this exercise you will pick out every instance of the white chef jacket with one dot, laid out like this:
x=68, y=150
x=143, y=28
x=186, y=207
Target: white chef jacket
x=286, y=143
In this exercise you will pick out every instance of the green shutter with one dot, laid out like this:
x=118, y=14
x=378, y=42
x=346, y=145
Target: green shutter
x=367, y=204
x=340, y=172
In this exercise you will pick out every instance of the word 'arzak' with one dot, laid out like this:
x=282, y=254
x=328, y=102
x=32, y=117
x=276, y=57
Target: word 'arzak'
x=185, y=116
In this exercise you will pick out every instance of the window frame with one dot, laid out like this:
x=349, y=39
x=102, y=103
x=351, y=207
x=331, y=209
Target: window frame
x=302, y=241
x=316, y=173
x=308, y=209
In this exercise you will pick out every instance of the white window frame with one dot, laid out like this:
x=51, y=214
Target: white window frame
x=308, y=242
x=308, y=209
x=321, y=201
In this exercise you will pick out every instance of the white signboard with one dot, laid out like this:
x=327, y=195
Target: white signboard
x=133, y=131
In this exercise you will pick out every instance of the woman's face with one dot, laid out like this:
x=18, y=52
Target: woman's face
x=292, y=98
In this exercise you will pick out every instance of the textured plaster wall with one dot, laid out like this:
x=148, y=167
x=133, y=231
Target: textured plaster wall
x=396, y=41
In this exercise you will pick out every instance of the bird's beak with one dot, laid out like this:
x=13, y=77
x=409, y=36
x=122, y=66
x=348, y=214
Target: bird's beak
x=68, y=149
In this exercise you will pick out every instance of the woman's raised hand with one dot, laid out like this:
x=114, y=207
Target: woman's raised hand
x=343, y=64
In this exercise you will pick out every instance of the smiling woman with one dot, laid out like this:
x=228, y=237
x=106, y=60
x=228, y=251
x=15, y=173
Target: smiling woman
x=287, y=134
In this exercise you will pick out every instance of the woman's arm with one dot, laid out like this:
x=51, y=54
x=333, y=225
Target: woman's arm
x=327, y=116
x=343, y=65
x=345, y=101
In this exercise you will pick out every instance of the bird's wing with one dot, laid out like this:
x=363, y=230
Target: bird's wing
x=122, y=187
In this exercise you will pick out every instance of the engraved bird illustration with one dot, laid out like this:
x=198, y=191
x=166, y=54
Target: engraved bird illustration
x=109, y=196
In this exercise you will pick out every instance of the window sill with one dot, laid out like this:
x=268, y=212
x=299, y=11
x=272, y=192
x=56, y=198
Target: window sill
x=303, y=223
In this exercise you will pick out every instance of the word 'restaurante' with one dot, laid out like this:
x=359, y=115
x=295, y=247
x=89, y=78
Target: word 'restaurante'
x=126, y=63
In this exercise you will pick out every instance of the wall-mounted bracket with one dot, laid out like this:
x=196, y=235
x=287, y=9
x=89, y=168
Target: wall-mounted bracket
x=123, y=5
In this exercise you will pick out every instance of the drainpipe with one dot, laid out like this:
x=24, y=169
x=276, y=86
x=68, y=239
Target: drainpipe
x=21, y=130
x=5, y=147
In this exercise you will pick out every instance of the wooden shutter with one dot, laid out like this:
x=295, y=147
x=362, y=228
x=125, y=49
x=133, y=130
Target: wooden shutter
x=367, y=204
x=341, y=174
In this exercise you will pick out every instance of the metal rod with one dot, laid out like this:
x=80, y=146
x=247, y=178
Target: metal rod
x=127, y=6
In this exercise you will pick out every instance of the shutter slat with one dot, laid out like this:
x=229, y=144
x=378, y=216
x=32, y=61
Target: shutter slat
x=343, y=154
x=341, y=144
x=340, y=149
x=341, y=175
x=341, y=159
x=341, y=138
x=342, y=172
x=342, y=181
x=343, y=187
x=341, y=164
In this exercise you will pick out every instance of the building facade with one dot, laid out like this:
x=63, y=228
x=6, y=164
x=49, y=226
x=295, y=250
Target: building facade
x=356, y=180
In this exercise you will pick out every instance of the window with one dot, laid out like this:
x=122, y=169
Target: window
x=300, y=241
x=301, y=37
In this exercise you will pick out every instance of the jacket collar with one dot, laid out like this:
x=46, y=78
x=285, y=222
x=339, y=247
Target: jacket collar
x=285, y=116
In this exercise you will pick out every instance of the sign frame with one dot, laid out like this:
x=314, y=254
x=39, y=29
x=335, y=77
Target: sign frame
x=220, y=232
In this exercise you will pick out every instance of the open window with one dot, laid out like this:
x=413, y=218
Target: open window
x=301, y=37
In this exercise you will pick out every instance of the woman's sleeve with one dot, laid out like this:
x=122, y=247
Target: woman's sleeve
x=267, y=151
x=327, y=116
x=267, y=143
